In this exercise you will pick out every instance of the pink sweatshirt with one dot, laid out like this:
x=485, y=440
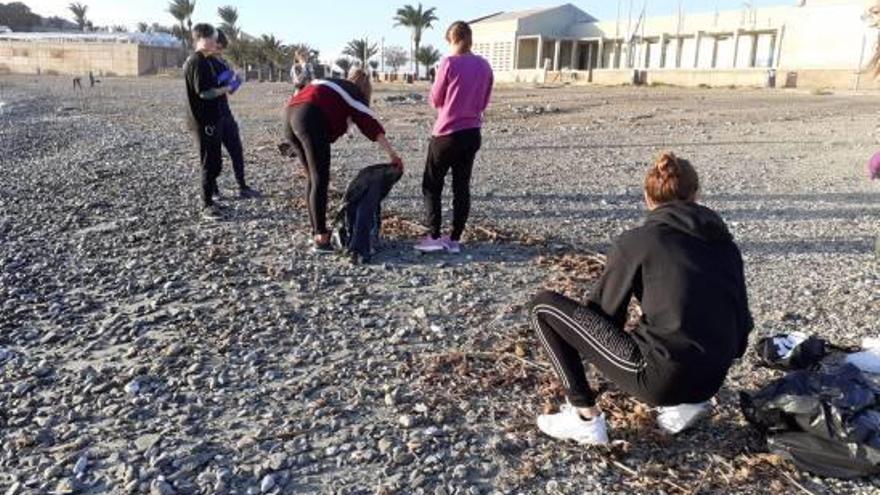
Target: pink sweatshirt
x=461, y=93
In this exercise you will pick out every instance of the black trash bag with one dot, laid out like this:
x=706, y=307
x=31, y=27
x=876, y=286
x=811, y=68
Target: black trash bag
x=357, y=224
x=827, y=423
x=788, y=352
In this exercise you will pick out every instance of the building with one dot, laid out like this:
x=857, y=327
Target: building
x=809, y=43
x=104, y=54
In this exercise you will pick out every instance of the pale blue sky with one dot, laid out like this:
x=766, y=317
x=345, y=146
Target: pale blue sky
x=329, y=24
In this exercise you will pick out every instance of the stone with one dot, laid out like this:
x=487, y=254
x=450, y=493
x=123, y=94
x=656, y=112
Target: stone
x=161, y=487
x=406, y=421
x=268, y=483
x=145, y=442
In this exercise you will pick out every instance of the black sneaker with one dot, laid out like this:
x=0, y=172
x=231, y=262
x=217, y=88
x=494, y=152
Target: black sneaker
x=248, y=193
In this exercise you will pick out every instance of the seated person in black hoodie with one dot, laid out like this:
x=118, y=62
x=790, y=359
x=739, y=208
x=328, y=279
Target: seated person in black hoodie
x=684, y=268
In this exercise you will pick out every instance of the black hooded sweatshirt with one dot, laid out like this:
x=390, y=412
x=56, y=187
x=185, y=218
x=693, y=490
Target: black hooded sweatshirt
x=686, y=271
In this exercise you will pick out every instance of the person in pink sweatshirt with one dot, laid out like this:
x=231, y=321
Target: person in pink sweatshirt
x=460, y=94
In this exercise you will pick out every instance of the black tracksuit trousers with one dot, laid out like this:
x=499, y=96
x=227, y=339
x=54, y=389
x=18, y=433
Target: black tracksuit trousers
x=455, y=151
x=209, y=139
x=569, y=332
x=231, y=138
x=306, y=129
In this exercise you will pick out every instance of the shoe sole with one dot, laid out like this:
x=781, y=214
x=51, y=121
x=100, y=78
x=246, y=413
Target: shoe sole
x=429, y=250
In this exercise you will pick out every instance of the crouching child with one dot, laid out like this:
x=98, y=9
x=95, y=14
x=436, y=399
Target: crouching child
x=358, y=222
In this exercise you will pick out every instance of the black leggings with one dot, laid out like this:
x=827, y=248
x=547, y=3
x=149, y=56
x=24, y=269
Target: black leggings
x=569, y=331
x=306, y=129
x=232, y=142
x=456, y=151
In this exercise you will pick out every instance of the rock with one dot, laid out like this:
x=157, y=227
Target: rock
x=145, y=442
x=133, y=387
x=161, y=487
x=460, y=472
x=420, y=313
x=67, y=486
x=384, y=445
x=81, y=465
x=267, y=484
x=406, y=421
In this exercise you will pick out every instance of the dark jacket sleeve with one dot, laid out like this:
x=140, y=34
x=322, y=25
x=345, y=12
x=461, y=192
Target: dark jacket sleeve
x=203, y=76
x=744, y=315
x=612, y=293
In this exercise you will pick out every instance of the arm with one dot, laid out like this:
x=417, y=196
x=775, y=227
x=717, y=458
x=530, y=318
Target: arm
x=489, y=90
x=206, y=83
x=392, y=154
x=438, y=90
x=215, y=93
x=613, y=291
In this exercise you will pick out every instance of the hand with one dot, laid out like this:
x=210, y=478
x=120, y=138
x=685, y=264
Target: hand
x=235, y=84
x=225, y=77
x=396, y=161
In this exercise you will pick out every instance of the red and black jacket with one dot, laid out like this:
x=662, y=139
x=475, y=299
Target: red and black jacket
x=339, y=101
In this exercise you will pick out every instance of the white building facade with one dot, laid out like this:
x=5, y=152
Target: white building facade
x=808, y=43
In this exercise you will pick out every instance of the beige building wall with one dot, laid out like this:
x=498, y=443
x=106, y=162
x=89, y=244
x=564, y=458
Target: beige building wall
x=78, y=58
x=811, y=43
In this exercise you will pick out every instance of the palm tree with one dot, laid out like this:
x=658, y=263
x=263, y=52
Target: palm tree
x=271, y=53
x=361, y=49
x=313, y=52
x=229, y=24
x=79, y=14
x=428, y=56
x=182, y=10
x=418, y=20
x=229, y=17
x=345, y=64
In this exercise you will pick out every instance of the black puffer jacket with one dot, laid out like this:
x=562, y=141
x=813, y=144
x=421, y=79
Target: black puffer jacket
x=686, y=271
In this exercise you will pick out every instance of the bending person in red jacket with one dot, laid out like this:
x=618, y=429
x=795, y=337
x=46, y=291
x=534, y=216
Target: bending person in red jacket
x=317, y=116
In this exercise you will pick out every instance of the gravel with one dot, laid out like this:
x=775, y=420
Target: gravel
x=143, y=350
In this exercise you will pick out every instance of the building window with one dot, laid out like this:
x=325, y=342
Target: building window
x=498, y=54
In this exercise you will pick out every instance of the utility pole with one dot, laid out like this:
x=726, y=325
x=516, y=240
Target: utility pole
x=382, y=55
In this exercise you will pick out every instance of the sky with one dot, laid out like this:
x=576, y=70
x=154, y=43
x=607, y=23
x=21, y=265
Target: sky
x=329, y=24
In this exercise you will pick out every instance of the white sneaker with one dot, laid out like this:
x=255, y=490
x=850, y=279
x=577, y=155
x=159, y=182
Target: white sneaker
x=567, y=424
x=676, y=419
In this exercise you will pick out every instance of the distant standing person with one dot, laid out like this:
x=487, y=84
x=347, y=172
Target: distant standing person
x=302, y=73
x=203, y=95
x=460, y=94
x=229, y=131
x=316, y=117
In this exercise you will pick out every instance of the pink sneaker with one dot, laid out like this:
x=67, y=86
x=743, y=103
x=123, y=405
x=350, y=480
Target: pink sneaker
x=430, y=245
x=452, y=247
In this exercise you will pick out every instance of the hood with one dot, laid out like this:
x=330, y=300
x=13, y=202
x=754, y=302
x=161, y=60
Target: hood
x=692, y=219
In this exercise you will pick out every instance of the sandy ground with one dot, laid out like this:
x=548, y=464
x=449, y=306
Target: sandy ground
x=146, y=351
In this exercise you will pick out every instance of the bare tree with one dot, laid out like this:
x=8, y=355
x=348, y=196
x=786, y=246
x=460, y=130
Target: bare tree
x=396, y=57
